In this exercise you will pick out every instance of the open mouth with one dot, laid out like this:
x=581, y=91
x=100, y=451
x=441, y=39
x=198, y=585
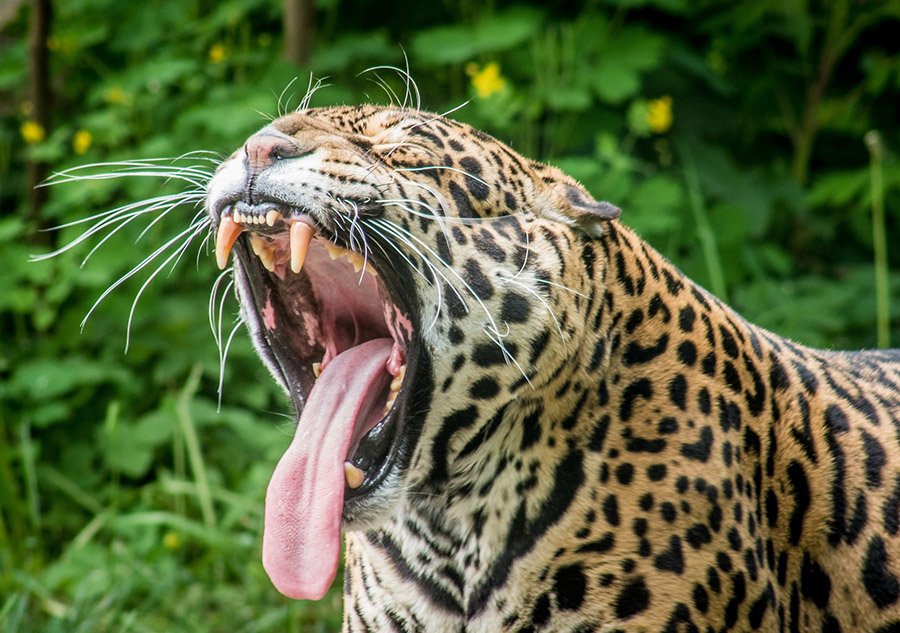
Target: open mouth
x=327, y=320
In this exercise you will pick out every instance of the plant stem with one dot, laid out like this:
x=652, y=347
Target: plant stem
x=701, y=219
x=195, y=456
x=879, y=240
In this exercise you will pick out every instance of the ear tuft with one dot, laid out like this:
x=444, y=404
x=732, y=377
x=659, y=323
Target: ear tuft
x=583, y=204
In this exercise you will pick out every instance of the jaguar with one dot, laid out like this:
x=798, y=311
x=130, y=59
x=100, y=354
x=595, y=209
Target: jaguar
x=521, y=417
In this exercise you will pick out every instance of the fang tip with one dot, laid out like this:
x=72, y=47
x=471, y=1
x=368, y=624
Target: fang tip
x=228, y=232
x=301, y=236
x=353, y=475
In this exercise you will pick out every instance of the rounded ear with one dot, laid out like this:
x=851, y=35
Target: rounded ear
x=571, y=203
x=584, y=205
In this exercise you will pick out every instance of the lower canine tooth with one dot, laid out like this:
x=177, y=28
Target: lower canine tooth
x=317, y=369
x=353, y=475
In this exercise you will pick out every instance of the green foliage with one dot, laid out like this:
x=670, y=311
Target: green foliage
x=730, y=133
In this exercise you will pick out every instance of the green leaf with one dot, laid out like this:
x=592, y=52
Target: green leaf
x=460, y=43
x=613, y=82
x=352, y=47
x=654, y=207
x=46, y=378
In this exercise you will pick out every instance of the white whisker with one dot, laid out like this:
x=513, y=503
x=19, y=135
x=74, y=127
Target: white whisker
x=175, y=255
x=223, y=359
x=448, y=168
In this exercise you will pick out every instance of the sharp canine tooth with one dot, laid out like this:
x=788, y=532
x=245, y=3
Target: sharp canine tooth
x=228, y=232
x=353, y=475
x=301, y=236
x=272, y=217
x=317, y=369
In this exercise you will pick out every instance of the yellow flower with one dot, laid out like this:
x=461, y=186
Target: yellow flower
x=217, y=53
x=33, y=132
x=659, y=114
x=115, y=95
x=81, y=142
x=486, y=80
x=171, y=541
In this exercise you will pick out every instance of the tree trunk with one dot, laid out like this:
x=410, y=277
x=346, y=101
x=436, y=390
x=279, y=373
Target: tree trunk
x=299, y=30
x=39, y=96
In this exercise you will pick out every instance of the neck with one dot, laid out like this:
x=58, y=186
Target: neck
x=652, y=372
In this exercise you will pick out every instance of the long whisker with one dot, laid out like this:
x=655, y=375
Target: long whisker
x=196, y=229
x=224, y=358
x=131, y=273
x=437, y=287
x=493, y=331
x=280, y=106
x=448, y=168
x=211, y=309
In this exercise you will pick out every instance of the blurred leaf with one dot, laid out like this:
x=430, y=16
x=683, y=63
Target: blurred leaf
x=460, y=43
x=44, y=379
x=374, y=47
x=654, y=206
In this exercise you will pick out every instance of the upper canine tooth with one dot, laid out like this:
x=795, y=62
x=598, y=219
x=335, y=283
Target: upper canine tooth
x=301, y=235
x=228, y=232
x=272, y=217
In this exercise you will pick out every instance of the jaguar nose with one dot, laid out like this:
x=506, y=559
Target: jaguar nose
x=266, y=148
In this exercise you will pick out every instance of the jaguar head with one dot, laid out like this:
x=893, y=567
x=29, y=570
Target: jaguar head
x=393, y=275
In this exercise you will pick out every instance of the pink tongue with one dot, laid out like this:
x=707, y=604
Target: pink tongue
x=301, y=541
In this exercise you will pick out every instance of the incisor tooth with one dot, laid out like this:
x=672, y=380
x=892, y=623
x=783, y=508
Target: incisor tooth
x=353, y=475
x=228, y=232
x=272, y=217
x=301, y=236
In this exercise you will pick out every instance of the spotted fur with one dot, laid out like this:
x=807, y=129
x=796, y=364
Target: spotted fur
x=594, y=442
